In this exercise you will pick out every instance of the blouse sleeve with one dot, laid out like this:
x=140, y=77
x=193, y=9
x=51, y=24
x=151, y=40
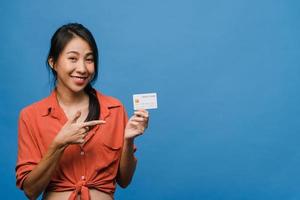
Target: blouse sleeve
x=28, y=151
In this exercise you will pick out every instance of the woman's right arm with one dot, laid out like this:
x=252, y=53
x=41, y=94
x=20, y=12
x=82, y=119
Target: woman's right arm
x=71, y=133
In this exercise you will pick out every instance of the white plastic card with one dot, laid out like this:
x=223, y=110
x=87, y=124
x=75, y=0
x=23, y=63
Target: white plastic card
x=145, y=101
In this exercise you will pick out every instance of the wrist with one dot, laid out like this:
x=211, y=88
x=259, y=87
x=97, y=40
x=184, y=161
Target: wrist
x=57, y=145
x=129, y=144
x=129, y=141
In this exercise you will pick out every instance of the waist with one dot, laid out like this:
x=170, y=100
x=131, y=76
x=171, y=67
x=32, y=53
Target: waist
x=94, y=195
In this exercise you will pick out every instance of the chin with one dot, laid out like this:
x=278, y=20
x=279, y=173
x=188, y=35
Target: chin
x=77, y=89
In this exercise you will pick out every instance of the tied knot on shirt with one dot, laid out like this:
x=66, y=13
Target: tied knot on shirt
x=80, y=186
x=82, y=190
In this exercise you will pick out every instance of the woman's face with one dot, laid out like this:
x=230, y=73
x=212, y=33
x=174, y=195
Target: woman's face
x=75, y=66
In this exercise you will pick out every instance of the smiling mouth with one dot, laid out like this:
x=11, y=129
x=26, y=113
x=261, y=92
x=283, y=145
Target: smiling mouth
x=80, y=77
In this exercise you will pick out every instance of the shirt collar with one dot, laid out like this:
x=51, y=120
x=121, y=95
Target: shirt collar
x=52, y=108
x=106, y=104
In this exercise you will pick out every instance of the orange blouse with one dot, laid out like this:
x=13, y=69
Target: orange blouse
x=93, y=165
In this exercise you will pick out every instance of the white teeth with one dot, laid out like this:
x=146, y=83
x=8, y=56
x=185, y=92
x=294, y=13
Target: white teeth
x=83, y=78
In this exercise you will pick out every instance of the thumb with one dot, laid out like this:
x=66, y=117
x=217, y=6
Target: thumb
x=75, y=117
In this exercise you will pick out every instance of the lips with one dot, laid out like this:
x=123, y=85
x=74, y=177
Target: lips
x=79, y=80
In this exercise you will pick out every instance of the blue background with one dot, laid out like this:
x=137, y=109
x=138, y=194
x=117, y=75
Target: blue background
x=227, y=78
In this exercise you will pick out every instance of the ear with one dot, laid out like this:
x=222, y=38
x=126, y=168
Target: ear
x=51, y=63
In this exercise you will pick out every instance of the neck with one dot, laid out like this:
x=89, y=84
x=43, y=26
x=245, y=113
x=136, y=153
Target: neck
x=69, y=98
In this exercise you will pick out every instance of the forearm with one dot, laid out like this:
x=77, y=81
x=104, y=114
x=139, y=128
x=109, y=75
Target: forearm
x=38, y=179
x=127, y=163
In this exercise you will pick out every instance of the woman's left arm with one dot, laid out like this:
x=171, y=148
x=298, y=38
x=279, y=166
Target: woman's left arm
x=135, y=126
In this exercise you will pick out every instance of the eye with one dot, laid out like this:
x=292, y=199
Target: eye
x=90, y=60
x=72, y=59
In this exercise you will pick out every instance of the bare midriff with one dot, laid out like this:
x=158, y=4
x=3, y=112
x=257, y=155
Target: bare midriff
x=94, y=195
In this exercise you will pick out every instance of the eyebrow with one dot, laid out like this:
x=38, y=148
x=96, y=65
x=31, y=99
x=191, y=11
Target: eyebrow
x=69, y=52
x=88, y=54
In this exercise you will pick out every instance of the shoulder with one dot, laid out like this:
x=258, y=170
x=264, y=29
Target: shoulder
x=111, y=106
x=37, y=108
x=108, y=101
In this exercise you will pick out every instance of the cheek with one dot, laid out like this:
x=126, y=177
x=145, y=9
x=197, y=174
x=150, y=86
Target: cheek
x=91, y=68
x=63, y=66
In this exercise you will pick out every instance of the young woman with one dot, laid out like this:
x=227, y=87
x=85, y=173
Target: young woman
x=77, y=143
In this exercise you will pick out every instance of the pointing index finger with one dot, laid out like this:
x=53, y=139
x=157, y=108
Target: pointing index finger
x=92, y=123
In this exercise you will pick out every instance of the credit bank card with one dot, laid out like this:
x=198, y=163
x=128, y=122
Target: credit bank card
x=145, y=101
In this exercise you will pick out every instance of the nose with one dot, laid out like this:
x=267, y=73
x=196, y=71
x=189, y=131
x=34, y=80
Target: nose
x=81, y=67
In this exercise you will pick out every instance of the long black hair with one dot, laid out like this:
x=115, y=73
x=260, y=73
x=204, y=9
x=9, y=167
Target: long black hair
x=59, y=40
